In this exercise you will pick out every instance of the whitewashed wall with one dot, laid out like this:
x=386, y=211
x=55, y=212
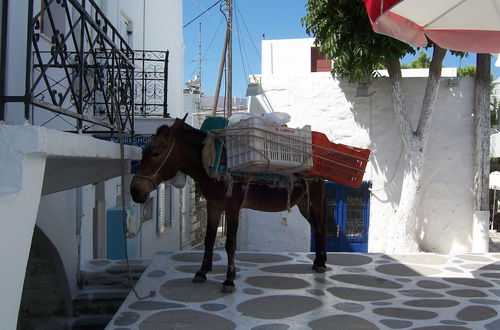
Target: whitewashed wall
x=330, y=106
x=156, y=25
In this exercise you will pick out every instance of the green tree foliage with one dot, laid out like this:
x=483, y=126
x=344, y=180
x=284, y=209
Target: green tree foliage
x=343, y=31
x=468, y=71
x=423, y=61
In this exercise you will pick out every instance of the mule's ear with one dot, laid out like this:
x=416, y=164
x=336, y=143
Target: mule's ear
x=184, y=118
x=178, y=124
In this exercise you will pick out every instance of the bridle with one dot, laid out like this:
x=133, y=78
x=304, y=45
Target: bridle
x=152, y=178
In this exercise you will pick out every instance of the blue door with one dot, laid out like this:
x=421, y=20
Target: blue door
x=347, y=212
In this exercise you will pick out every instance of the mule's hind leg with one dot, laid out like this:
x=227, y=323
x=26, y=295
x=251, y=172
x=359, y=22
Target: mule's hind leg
x=232, y=218
x=312, y=207
x=213, y=219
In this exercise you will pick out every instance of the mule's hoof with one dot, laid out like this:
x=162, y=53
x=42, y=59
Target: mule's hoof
x=199, y=277
x=320, y=269
x=228, y=287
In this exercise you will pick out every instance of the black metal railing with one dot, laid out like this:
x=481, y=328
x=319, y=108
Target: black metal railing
x=75, y=57
x=150, y=83
x=80, y=70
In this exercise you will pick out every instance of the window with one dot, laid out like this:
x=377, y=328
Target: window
x=319, y=62
x=164, y=216
x=53, y=19
x=126, y=29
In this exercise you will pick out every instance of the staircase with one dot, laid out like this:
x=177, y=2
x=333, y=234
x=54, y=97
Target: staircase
x=105, y=284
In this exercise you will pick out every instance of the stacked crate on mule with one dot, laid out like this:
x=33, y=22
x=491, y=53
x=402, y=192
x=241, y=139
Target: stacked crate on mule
x=253, y=146
x=338, y=162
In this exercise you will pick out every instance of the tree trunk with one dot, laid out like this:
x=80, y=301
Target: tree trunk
x=482, y=133
x=402, y=231
x=480, y=223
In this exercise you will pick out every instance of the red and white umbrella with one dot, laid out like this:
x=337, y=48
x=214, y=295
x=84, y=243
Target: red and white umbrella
x=465, y=25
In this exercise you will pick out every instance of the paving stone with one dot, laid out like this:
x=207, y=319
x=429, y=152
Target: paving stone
x=342, y=322
x=405, y=313
x=186, y=320
x=367, y=280
x=182, y=290
x=148, y=305
x=396, y=324
x=476, y=313
x=126, y=318
x=278, y=306
x=272, y=326
x=429, y=284
x=432, y=303
x=359, y=294
x=193, y=257
x=404, y=270
x=277, y=282
x=290, y=269
x=261, y=257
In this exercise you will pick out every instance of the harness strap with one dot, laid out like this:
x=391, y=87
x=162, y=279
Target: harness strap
x=152, y=178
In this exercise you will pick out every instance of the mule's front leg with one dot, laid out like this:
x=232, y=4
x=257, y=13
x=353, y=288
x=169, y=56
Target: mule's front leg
x=232, y=218
x=213, y=218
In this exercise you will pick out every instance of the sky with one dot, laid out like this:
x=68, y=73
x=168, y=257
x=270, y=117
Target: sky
x=253, y=20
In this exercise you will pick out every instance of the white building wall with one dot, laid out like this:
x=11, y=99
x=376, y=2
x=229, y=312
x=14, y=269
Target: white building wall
x=330, y=106
x=155, y=25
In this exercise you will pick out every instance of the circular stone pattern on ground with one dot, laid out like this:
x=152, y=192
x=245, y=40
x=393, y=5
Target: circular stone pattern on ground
x=148, y=305
x=277, y=282
x=191, y=269
x=193, y=257
x=359, y=294
x=289, y=269
x=186, y=319
x=468, y=282
x=346, y=259
x=126, y=318
x=272, y=326
x=405, y=313
x=476, y=313
x=431, y=303
x=186, y=291
x=261, y=257
x=423, y=259
x=366, y=280
x=472, y=257
x=428, y=284
x=277, y=307
x=404, y=270
x=341, y=322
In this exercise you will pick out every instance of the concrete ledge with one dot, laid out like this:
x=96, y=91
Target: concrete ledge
x=72, y=160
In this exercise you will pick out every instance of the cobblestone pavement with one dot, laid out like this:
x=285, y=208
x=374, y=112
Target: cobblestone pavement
x=280, y=291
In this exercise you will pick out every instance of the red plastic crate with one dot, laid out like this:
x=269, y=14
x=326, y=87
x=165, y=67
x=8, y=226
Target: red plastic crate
x=338, y=162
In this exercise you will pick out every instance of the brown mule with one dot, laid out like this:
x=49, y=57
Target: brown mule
x=179, y=148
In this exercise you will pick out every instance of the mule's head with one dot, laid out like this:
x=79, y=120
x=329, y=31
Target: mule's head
x=158, y=163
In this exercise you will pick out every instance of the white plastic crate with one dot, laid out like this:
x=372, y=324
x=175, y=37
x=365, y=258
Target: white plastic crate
x=254, y=147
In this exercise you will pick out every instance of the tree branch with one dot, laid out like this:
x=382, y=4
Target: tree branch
x=394, y=69
x=431, y=90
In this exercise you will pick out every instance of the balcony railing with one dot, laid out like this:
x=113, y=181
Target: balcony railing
x=75, y=59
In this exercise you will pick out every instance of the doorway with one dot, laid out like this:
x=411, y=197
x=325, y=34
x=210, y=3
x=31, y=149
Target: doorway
x=347, y=212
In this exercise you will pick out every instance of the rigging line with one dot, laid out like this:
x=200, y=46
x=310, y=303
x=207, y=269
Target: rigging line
x=243, y=46
x=194, y=19
x=241, y=51
x=201, y=8
x=208, y=48
x=248, y=32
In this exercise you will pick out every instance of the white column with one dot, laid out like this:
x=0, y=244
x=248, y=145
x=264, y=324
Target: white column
x=480, y=231
x=18, y=219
